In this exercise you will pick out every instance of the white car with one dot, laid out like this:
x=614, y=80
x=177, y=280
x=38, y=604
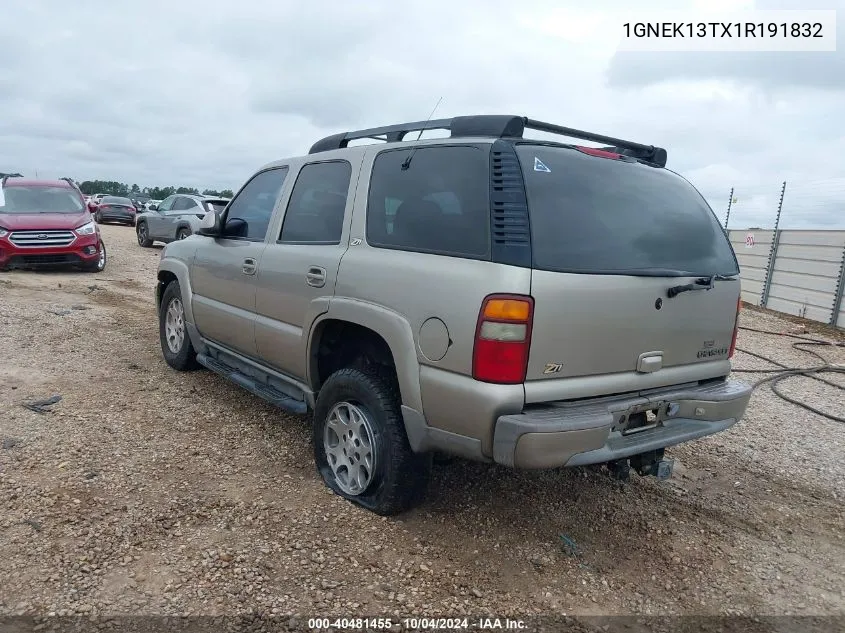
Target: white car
x=150, y=203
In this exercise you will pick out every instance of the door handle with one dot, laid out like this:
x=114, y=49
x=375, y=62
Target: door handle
x=316, y=277
x=249, y=266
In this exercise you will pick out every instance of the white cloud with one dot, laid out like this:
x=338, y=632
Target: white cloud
x=202, y=92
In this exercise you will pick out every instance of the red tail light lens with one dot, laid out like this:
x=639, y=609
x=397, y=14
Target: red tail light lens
x=736, y=328
x=503, y=339
x=601, y=153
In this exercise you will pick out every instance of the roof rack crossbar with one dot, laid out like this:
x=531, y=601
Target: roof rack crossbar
x=648, y=153
x=497, y=126
x=72, y=183
x=584, y=136
x=7, y=176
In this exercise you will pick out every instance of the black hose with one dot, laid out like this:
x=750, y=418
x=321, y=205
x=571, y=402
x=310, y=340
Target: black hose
x=785, y=372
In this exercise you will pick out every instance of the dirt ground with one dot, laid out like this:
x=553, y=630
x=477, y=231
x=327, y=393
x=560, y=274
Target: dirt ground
x=148, y=491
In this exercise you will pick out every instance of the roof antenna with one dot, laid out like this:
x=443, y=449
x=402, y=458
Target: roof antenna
x=407, y=163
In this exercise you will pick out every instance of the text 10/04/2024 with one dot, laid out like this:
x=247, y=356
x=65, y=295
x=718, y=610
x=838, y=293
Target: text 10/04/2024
x=417, y=624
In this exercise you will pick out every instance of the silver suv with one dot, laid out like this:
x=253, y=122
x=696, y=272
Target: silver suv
x=175, y=218
x=526, y=302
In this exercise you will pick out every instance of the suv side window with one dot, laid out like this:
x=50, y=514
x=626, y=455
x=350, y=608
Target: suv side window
x=439, y=204
x=180, y=204
x=248, y=215
x=166, y=204
x=317, y=204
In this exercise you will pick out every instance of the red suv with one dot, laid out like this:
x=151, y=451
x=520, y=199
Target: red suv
x=46, y=223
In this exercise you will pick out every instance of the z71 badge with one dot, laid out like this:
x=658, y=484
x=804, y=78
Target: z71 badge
x=552, y=368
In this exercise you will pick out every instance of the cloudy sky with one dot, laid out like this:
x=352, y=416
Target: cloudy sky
x=202, y=92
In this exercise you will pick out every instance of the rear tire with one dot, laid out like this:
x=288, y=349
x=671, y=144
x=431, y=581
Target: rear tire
x=358, y=430
x=181, y=234
x=143, y=235
x=176, y=344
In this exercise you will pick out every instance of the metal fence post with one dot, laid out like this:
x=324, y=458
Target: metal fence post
x=840, y=291
x=773, y=252
x=728, y=216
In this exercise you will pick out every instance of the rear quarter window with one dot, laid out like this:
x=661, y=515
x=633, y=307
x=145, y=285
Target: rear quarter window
x=439, y=204
x=596, y=215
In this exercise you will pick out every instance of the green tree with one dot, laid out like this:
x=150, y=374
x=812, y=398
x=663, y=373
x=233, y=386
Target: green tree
x=112, y=187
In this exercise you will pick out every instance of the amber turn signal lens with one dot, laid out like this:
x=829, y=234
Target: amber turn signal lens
x=507, y=310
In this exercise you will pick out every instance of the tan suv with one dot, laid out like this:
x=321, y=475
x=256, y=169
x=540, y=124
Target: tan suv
x=526, y=302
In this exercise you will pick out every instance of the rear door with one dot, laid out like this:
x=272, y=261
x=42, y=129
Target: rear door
x=610, y=236
x=298, y=270
x=170, y=220
x=158, y=219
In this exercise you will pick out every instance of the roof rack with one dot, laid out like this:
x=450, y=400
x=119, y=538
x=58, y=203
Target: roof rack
x=72, y=183
x=493, y=125
x=7, y=176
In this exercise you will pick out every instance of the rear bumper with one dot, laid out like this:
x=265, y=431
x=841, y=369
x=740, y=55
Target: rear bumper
x=112, y=216
x=582, y=433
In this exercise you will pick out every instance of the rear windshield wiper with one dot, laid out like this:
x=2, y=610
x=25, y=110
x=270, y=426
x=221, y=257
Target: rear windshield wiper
x=702, y=283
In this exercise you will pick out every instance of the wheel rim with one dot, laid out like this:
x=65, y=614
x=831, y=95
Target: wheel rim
x=101, y=262
x=142, y=233
x=174, y=326
x=182, y=235
x=348, y=441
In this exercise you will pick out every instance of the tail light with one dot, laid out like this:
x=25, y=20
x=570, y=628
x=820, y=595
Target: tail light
x=736, y=328
x=502, y=339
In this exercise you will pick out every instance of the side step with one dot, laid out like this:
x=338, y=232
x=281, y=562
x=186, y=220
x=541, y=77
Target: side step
x=273, y=396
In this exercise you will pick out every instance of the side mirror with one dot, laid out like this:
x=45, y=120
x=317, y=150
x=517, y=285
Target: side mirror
x=92, y=206
x=153, y=207
x=210, y=224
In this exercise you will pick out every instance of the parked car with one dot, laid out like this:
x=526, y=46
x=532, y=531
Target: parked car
x=150, y=203
x=176, y=218
x=483, y=295
x=115, y=209
x=97, y=197
x=45, y=223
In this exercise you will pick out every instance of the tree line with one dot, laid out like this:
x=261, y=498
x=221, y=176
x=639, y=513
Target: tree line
x=93, y=187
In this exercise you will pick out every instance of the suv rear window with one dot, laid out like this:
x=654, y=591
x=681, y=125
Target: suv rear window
x=601, y=216
x=439, y=204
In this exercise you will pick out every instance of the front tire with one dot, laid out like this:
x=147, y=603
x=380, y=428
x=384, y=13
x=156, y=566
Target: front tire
x=176, y=344
x=143, y=235
x=181, y=234
x=360, y=446
x=99, y=265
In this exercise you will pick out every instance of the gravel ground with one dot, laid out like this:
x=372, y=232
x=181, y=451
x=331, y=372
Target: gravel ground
x=148, y=491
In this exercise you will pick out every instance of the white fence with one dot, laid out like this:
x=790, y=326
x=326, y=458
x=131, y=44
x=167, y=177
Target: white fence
x=793, y=271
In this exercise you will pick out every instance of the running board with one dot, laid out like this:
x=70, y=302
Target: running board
x=271, y=395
